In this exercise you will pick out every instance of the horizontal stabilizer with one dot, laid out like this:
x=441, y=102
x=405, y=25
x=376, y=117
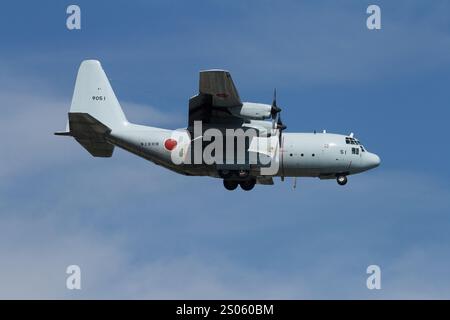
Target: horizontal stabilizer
x=90, y=133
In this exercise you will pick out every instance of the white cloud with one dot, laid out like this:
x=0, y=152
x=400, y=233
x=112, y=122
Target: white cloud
x=37, y=253
x=311, y=250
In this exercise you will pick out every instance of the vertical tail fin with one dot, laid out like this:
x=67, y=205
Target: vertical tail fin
x=95, y=111
x=93, y=95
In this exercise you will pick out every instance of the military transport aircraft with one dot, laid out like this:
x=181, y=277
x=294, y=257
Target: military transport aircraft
x=97, y=122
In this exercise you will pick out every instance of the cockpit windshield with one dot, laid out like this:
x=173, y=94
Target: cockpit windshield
x=351, y=140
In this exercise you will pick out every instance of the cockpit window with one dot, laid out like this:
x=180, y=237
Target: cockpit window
x=349, y=140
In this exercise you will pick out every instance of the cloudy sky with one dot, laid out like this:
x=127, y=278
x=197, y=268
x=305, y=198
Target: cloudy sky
x=138, y=231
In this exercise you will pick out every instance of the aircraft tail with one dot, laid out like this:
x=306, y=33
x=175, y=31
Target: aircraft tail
x=95, y=110
x=93, y=95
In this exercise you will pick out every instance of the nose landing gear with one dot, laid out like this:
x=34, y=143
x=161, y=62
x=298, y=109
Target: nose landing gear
x=341, y=180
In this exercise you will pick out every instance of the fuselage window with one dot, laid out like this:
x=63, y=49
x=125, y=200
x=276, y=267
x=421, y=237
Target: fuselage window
x=302, y=154
x=313, y=155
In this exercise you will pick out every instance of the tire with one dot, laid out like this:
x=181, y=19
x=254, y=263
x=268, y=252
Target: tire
x=247, y=185
x=341, y=180
x=230, y=184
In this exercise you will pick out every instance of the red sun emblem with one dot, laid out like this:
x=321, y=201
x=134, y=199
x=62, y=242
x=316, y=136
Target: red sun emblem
x=170, y=144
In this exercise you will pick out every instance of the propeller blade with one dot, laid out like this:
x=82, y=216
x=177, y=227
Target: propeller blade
x=277, y=124
x=275, y=109
x=280, y=124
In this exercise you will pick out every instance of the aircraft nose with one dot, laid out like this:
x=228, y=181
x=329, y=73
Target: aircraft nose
x=373, y=160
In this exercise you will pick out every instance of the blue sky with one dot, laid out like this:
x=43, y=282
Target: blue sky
x=138, y=231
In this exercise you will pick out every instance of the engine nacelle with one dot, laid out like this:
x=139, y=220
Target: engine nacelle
x=252, y=111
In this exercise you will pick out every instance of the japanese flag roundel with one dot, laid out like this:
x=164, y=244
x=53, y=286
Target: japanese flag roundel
x=170, y=144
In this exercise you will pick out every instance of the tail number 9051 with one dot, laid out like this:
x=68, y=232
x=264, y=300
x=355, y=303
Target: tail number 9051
x=99, y=98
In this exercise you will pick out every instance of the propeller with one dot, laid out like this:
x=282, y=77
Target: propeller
x=276, y=117
x=275, y=109
x=280, y=125
x=275, y=112
x=277, y=124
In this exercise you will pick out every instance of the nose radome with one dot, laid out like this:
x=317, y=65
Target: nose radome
x=373, y=160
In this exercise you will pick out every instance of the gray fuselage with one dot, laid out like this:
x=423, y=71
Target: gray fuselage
x=323, y=155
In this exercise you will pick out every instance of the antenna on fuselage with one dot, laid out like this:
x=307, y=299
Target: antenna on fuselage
x=351, y=134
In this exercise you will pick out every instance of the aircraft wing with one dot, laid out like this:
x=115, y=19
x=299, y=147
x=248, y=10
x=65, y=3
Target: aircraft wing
x=220, y=86
x=217, y=93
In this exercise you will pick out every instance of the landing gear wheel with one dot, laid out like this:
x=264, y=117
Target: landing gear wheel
x=247, y=185
x=341, y=180
x=230, y=184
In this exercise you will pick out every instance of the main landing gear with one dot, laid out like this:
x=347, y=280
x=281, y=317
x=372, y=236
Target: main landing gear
x=230, y=184
x=341, y=180
x=246, y=185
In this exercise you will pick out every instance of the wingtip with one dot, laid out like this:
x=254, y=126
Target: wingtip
x=214, y=70
x=90, y=62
